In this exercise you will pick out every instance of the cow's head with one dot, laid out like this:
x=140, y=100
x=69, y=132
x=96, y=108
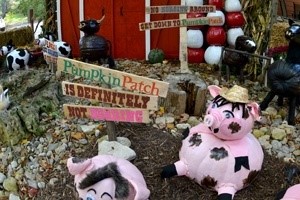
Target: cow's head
x=90, y=26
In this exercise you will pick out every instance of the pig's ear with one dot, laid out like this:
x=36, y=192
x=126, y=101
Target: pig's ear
x=254, y=110
x=214, y=90
x=77, y=165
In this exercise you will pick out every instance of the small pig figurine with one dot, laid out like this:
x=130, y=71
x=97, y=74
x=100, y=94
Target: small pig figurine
x=292, y=193
x=107, y=177
x=221, y=153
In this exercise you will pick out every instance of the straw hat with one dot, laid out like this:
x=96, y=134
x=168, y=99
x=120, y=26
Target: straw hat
x=235, y=94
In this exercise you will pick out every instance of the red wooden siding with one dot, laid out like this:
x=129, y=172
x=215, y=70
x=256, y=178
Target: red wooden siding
x=289, y=8
x=121, y=26
x=165, y=39
x=69, y=25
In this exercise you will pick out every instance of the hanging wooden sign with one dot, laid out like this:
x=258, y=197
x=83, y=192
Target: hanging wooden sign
x=171, y=23
x=107, y=113
x=179, y=9
x=113, y=77
x=104, y=95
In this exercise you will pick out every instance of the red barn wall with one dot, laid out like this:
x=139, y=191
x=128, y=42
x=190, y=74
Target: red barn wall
x=121, y=26
x=289, y=8
x=69, y=24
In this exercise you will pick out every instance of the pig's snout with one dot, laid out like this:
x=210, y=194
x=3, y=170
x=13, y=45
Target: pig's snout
x=213, y=119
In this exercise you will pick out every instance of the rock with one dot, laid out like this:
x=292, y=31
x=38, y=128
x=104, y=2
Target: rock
x=10, y=184
x=193, y=121
x=258, y=133
x=2, y=177
x=183, y=126
x=13, y=197
x=278, y=134
x=122, y=140
x=271, y=111
x=87, y=128
x=116, y=149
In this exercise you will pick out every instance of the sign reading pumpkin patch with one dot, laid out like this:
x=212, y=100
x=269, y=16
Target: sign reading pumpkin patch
x=134, y=106
x=113, y=78
x=212, y=21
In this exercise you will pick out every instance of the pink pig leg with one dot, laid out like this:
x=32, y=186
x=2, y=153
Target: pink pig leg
x=181, y=168
x=226, y=192
x=176, y=169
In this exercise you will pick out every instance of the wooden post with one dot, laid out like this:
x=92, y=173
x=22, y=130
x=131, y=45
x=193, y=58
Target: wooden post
x=111, y=126
x=274, y=11
x=30, y=19
x=183, y=56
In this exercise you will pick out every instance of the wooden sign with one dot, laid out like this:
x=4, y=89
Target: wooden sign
x=179, y=9
x=107, y=113
x=50, y=52
x=212, y=21
x=113, y=77
x=104, y=95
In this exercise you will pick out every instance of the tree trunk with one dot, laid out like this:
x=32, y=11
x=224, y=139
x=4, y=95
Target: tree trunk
x=4, y=8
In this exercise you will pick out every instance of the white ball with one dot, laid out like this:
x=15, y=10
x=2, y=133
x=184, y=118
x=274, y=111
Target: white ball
x=218, y=13
x=194, y=38
x=233, y=6
x=232, y=34
x=194, y=2
x=212, y=55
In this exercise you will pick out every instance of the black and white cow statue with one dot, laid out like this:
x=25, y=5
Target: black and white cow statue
x=18, y=59
x=63, y=48
x=9, y=47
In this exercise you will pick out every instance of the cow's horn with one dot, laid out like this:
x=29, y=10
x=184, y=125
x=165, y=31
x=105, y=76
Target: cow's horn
x=100, y=20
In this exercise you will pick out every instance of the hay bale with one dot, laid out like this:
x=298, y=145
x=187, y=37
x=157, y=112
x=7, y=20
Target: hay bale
x=278, y=43
x=20, y=36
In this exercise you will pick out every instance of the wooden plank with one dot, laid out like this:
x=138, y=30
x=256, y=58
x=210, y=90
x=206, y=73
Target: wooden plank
x=113, y=77
x=171, y=23
x=105, y=95
x=179, y=9
x=106, y=113
x=183, y=55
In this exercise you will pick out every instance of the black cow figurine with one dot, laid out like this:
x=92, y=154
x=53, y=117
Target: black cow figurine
x=283, y=76
x=94, y=47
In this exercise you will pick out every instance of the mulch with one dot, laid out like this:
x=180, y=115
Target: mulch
x=156, y=148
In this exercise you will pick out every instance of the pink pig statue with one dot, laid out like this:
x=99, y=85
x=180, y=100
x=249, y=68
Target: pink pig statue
x=292, y=193
x=221, y=153
x=106, y=177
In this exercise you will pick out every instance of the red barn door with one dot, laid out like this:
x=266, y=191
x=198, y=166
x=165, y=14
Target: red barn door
x=165, y=39
x=69, y=24
x=121, y=26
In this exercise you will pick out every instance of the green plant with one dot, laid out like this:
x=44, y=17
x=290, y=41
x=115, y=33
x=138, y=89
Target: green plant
x=156, y=56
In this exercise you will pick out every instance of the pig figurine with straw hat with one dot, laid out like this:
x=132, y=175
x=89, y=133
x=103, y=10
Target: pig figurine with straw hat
x=221, y=153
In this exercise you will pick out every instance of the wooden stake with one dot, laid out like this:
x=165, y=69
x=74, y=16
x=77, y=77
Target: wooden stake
x=111, y=126
x=184, y=68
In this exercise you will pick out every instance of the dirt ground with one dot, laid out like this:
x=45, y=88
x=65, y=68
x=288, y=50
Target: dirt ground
x=155, y=149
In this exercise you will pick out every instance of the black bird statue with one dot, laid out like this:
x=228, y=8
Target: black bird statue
x=283, y=76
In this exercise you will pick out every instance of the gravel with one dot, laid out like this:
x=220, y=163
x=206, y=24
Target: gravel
x=24, y=165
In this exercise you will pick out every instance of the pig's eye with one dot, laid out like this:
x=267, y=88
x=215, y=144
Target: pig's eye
x=228, y=114
x=214, y=105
